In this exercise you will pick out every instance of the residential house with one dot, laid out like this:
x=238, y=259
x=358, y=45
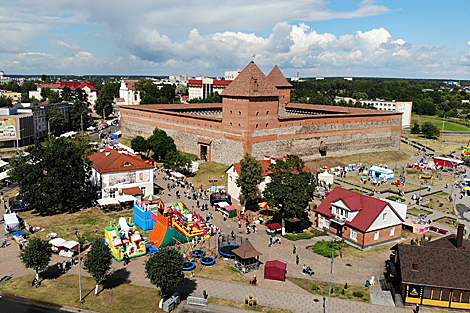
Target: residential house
x=87, y=87
x=361, y=220
x=434, y=274
x=118, y=172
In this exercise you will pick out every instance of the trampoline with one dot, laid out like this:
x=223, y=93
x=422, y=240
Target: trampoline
x=226, y=250
x=207, y=260
x=198, y=253
x=189, y=266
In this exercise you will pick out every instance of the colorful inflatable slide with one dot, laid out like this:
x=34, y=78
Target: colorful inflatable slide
x=122, y=238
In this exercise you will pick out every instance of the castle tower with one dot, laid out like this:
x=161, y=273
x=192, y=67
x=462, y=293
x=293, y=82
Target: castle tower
x=280, y=82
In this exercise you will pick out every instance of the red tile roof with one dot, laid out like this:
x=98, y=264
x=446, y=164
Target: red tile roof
x=130, y=83
x=110, y=161
x=71, y=85
x=132, y=191
x=277, y=78
x=52, y=86
x=251, y=82
x=369, y=207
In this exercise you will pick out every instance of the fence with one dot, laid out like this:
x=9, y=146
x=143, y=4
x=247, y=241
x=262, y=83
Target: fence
x=197, y=301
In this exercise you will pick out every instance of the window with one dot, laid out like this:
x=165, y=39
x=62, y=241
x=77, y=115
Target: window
x=257, y=113
x=392, y=231
x=144, y=189
x=436, y=293
x=427, y=293
x=230, y=178
x=353, y=235
x=384, y=217
x=267, y=113
x=112, y=194
x=376, y=235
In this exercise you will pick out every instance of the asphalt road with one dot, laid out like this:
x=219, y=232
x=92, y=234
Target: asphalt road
x=111, y=129
x=10, y=305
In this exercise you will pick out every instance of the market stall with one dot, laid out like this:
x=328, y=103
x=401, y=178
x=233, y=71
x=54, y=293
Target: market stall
x=381, y=173
x=225, y=208
x=12, y=222
x=68, y=248
x=275, y=270
x=326, y=177
x=273, y=228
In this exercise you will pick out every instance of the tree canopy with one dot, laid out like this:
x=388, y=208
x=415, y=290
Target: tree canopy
x=6, y=102
x=177, y=161
x=53, y=175
x=79, y=115
x=151, y=93
x=165, y=268
x=98, y=262
x=104, y=104
x=36, y=255
x=57, y=122
x=250, y=177
x=291, y=187
x=159, y=143
x=429, y=130
x=141, y=145
x=415, y=129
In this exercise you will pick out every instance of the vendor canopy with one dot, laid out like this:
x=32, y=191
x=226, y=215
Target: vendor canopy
x=56, y=242
x=275, y=270
x=107, y=201
x=11, y=220
x=71, y=244
x=125, y=198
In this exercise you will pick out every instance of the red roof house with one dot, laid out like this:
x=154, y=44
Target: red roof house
x=361, y=220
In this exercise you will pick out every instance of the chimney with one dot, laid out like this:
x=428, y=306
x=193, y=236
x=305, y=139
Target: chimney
x=415, y=266
x=101, y=149
x=107, y=153
x=460, y=232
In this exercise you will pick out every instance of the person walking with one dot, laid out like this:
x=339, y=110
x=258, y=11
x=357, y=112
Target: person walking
x=239, y=225
x=297, y=259
x=294, y=249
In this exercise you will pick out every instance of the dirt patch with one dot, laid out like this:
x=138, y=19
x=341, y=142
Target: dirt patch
x=440, y=202
x=242, y=305
x=448, y=221
x=210, y=174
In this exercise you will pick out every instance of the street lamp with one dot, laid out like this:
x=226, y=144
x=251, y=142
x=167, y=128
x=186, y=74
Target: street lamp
x=77, y=233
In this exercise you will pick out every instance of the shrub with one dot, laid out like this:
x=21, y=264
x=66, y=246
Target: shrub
x=304, y=236
x=342, y=292
x=324, y=248
x=290, y=237
x=358, y=294
x=315, y=287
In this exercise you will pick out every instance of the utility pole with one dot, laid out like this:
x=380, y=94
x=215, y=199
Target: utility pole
x=81, y=122
x=79, y=262
x=331, y=275
x=443, y=119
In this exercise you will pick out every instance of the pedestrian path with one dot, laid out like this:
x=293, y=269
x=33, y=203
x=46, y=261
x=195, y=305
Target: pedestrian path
x=381, y=297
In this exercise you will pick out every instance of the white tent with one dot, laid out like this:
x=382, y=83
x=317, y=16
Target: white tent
x=56, y=242
x=107, y=201
x=11, y=222
x=125, y=198
x=326, y=177
x=71, y=244
x=3, y=163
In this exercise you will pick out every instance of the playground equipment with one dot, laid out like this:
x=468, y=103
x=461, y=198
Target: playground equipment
x=122, y=238
x=189, y=266
x=207, y=261
x=145, y=215
x=242, y=214
x=226, y=250
x=176, y=224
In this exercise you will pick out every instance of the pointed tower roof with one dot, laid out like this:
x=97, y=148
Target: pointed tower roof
x=277, y=78
x=251, y=82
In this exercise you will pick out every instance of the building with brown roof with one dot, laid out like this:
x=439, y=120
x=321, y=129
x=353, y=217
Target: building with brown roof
x=128, y=92
x=117, y=172
x=434, y=274
x=257, y=117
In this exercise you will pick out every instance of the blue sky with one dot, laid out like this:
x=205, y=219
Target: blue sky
x=412, y=39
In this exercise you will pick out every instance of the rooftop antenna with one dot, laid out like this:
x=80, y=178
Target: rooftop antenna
x=253, y=57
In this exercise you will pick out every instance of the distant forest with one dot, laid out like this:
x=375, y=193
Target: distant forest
x=430, y=97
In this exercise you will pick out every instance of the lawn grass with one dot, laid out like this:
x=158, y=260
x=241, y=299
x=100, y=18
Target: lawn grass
x=355, y=180
x=444, y=145
x=210, y=171
x=118, y=298
x=390, y=157
x=321, y=288
x=125, y=141
x=221, y=271
x=416, y=212
x=437, y=121
x=66, y=224
x=448, y=221
x=242, y=305
x=436, y=180
x=440, y=202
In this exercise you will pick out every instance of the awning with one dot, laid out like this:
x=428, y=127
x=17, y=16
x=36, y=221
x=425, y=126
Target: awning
x=3, y=163
x=4, y=175
x=274, y=226
x=19, y=233
x=71, y=244
x=125, y=198
x=107, y=201
x=176, y=174
x=230, y=208
x=57, y=242
x=223, y=204
x=132, y=191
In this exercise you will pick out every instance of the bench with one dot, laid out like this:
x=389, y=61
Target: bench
x=197, y=301
x=434, y=228
x=442, y=231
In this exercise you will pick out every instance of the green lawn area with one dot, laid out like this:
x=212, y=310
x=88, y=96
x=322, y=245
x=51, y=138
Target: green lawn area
x=449, y=221
x=437, y=121
x=356, y=293
x=210, y=171
x=117, y=297
x=440, y=202
x=416, y=212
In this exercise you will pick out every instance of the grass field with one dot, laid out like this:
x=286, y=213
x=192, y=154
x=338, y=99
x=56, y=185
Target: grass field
x=416, y=212
x=436, y=180
x=440, y=202
x=437, y=121
x=116, y=297
x=449, y=221
x=389, y=158
x=210, y=171
x=242, y=305
x=338, y=291
x=355, y=180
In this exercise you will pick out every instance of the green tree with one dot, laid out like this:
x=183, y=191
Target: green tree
x=160, y=144
x=79, y=115
x=415, y=129
x=98, y=262
x=57, y=122
x=165, y=269
x=140, y=144
x=53, y=176
x=45, y=78
x=429, y=130
x=80, y=95
x=82, y=140
x=54, y=97
x=12, y=86
x=45, y=93
x=28, y=86
x=67, y=93
x=291, y=187
x=6, y=102
x=36, y=255
x=250, y=177
x=175, y=160
x=104, y=105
